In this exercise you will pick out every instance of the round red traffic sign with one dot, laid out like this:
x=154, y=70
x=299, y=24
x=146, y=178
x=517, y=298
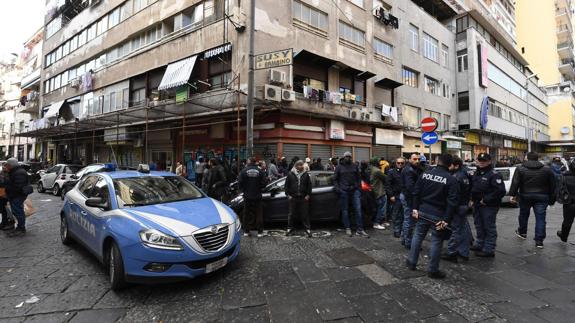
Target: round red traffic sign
x=428, y=124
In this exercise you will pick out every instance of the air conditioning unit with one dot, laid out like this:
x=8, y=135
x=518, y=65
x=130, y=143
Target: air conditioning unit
x=355, y=114
x=288, y=95
x=75, y=83
x=277, y=77
x=365, y=116
x=272, y=93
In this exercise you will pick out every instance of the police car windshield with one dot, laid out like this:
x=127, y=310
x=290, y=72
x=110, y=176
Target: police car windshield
x=148, y=190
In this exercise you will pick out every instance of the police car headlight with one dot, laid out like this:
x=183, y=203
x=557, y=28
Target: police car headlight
x=159, y=240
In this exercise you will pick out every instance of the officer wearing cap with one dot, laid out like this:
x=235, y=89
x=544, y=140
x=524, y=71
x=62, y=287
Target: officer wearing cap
x=487, y=190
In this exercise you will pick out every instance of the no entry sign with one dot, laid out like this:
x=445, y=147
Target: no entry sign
x=428, y=124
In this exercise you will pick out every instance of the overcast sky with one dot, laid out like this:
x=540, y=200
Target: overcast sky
x=19, y=20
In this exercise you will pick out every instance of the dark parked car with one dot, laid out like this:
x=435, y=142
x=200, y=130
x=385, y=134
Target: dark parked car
x=324, y=202
x=69, y=184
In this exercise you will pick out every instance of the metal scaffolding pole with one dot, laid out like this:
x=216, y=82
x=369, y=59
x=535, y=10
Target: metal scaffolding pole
x=251, y=90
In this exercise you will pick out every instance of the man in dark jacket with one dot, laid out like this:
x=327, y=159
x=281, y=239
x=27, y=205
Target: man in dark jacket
x=569, y=207
x=379, y=186
x=535, y=185
x=217, y=180
x=298, y=190
x=17, y=191
x=461, y=236
x=347, y=184
x=396, y=209
x=435, y=200
x=7, y=222
x=409, y=176
x=487, y=190
x=252, y=181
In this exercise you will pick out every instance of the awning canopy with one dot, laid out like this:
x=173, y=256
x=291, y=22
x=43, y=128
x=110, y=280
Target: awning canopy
x=387, y=83
x=54, y=110
x=178, y=73
x=30, y=79
x=313, y=59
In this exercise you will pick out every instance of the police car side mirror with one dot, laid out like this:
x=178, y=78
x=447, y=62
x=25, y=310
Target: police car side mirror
x=97, y=202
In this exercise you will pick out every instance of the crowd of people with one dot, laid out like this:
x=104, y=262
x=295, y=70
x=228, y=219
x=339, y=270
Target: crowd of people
x=14, y=189
x=410, y=197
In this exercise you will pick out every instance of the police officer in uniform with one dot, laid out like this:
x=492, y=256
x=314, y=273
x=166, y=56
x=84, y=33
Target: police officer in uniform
x=461, y=236
x=252, y=181
x=487, y=190
x=435, y=201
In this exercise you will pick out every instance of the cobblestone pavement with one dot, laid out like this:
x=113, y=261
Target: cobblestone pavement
x=295, y=279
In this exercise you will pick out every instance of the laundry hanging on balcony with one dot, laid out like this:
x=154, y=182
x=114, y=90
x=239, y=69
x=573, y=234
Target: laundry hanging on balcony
x=389, y=111
x=178, y=73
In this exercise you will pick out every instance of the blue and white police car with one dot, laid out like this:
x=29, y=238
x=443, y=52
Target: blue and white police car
x=149, y=227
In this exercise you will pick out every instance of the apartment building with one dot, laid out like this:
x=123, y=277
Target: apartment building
x=549, y=50
x=500, y=105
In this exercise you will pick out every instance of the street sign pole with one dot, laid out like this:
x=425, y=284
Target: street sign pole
x=429, y=137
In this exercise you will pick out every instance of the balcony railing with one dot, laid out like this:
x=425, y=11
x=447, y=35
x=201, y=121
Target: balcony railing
x=565, y=45
x=563, y=28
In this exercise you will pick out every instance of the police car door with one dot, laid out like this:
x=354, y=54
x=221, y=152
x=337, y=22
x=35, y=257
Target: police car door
x=77, y=216
x=94, y=228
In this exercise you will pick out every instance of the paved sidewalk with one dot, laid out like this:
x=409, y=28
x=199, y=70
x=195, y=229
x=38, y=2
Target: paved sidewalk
x=295, y=279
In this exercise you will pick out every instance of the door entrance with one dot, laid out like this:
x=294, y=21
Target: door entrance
x=163, y=160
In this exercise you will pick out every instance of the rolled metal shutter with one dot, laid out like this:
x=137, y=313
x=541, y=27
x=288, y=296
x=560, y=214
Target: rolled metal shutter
x=340, y=150
x=295, y=150
x=321, y=151
x=387, y=152
x=361, y=154
x=266, y=151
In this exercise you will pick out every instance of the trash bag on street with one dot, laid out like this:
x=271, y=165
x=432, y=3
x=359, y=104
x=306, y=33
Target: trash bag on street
x=29, y=208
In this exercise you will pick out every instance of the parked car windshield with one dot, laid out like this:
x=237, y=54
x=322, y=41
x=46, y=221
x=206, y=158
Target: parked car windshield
x=148, y=190
x=504, y=172
x=279, y=185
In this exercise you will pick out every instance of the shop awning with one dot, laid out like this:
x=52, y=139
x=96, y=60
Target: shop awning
x=54, y=110
x=313, y=59
x=178, y=73
x=387, y=83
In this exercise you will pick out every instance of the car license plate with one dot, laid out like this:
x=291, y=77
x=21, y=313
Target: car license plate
x=216, y=265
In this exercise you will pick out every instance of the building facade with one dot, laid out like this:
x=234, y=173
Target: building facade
x=549, y=50
x=155, y=80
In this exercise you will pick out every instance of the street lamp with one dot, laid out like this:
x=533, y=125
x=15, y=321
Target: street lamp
x=527, y=130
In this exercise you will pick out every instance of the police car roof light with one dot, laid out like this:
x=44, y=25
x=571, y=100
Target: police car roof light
x=109, y=167
x=143, y=168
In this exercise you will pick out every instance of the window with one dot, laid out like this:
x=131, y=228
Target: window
x=445, y=90
x=430, y=47
x=463, y=101
x=125, y=97
x=309, y=16
x=82, y=38
x=411, y=116
x=410, y=77
x=73, y=43
x=114, y=18
x=323, y=180
x=87, y=185
x=113, y=104
x=446, y=121
x=300, y=81
x=414, y=38
x=444, y=55
x=102, y=26
x=64, y=78
x=434, y=115
x=57, y=82
x=58, y=53
x=72, y=74
x=126, y=10
x=53, y=26
x=358, y=3
x=383, y=49
x=138, y=96
x=499, y=77
x=138, y=5
x=351, y=34
x=462, y=64
x=65, y=49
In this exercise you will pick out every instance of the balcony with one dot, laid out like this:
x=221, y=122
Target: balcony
x=346, y=111
x=564, y=32
x=566, y=67
x=565, y=50
x=563, y=4
x=563, y=15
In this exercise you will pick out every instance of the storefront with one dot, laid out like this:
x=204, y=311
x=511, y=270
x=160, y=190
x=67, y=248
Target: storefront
x=387, y=143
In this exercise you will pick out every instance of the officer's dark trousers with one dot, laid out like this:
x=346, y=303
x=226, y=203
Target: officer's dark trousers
x=568, y=216
x=253, y=216
x=485, y=217
x=461, y=234
x=421, y=229
x=298, y=208
x=396, y=211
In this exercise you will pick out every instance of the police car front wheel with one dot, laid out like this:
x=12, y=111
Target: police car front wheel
x=116, y=268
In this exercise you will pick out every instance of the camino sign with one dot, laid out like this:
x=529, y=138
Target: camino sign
x=274, y=59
